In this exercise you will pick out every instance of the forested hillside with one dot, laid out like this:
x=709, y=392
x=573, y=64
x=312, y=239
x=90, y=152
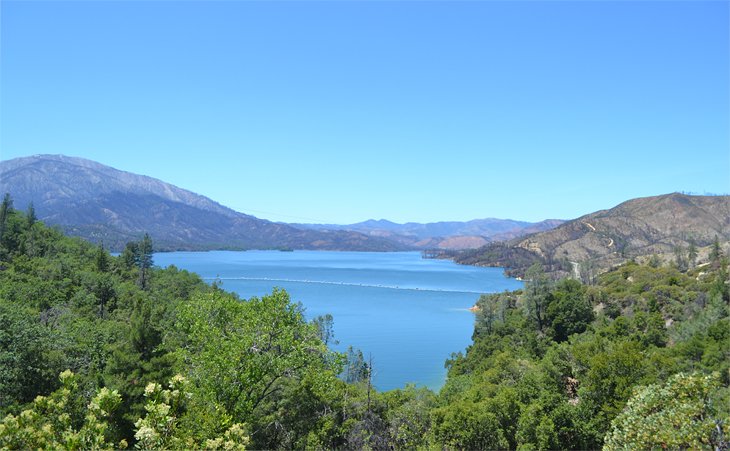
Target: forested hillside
x=111, y=352
x=101, y=203
x=553, y=366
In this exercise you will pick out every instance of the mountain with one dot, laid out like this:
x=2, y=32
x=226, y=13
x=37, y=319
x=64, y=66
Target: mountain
x=445, y=235
x=662, y=225
x=97, y=202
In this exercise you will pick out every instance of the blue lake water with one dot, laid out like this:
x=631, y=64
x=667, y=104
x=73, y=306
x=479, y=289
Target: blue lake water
x=409, y=313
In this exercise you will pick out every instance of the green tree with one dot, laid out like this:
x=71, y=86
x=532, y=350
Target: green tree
x=30, y=215
x=101, y=259
x=609, y=380
x=29, y=365
x=145, y=262
x=536, y=429
x=679, y=259
x=716, y=252
x=569, y=312
x=130, y=255
x=676, y=415
x=467, y=425
x=159, y=428
x=537, y=295
x=59, y=422
x=488, y=314
x=139, y=358
x=356, y=368
x=6, y=208
x=588, y=269
x=325, y=325
x=408, y=416
x=104, y=284
x=104, y=292
x=49, y=423
x=240, y=354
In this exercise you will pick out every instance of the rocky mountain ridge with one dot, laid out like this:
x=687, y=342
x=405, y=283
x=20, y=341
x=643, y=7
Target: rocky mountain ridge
x=665, y=224
x=101, y=203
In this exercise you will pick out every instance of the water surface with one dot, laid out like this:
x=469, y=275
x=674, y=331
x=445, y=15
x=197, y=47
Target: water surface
x=409, y=313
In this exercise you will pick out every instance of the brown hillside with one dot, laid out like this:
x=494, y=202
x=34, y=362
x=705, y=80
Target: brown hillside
x=649, y=225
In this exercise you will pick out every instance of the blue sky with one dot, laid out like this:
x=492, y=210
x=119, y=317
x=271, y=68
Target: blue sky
x=340, y=111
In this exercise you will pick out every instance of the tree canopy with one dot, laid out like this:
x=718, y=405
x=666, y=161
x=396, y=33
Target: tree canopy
x=155, y=358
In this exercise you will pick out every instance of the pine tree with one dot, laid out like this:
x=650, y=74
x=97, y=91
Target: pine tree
x=5, y=209
x=716, y=252
x=145, y=260
x=130, y=255
x=679, y=258
x=356, y=368
x=537, y=294
x=102, y=259
x=30, y=216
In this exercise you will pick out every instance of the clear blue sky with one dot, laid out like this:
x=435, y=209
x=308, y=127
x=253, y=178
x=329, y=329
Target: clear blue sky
x=340, y=111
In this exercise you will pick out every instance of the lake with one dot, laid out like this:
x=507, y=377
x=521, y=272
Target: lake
x=409, y=313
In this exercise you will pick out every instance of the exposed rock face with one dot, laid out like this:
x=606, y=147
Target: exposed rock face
x=98, y=203
x=638, y=227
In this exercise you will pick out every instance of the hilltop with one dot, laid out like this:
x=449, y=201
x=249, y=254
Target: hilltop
x=666, y=225
x=100, y=203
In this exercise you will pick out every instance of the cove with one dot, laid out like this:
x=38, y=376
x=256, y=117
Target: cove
x=410, y=314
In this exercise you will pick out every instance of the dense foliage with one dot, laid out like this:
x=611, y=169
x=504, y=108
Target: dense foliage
x=157, y=359
x=553, y=366
x=128, y=335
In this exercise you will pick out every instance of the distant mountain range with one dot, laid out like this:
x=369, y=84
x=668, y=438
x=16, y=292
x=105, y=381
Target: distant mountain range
x=100, y=203
x=97, y=202
x=443, y=235
x=662, y=225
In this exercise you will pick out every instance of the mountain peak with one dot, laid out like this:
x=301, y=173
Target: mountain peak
x=48, y=179
x=99, y=202
x=377, y=223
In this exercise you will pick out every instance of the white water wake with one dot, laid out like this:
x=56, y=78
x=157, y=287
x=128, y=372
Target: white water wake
x=349, y=284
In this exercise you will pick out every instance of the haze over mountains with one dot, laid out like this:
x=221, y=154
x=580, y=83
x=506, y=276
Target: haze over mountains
x=101, y=203
x=445, y=234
